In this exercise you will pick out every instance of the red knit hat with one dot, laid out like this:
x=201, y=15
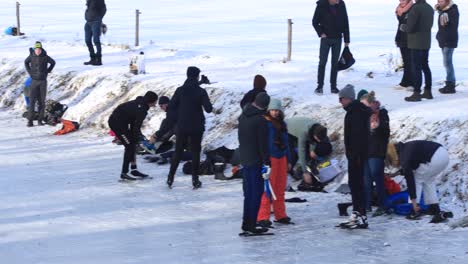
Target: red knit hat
x=259, y=82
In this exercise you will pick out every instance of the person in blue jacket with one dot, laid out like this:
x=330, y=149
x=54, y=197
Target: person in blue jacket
x=27, y=91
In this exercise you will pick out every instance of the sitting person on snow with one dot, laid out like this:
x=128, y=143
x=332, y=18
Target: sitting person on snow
x=161, y=138
x=421, y=162
x=312, y=143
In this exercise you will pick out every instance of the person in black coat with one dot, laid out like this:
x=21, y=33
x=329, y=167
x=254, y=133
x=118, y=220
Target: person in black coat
x=95, y=11
x=188, y=104
x=331, y=24
x=126, y=121
x=421, y=162
x=447, y=36
x=259, y=85
x=356, y=137
x=401, y=40
x=167, y=127
x=38, y=64
x=254, y=153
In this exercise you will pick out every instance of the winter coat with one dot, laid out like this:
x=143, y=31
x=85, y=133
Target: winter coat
x=401, y=38
x=95, y=11
x=411, y=155
x=167, y=127
x=130, y=115
x=37, y=66
x=278, y=140
x=299, y=128
x=380, y=136
x=331, y=20
x=249, y=97
x=419, y=24
x=253, y=137
x=447, y=36
x=188, y=103
x=357, y=130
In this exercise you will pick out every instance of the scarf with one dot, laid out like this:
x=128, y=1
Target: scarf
x=402, y=10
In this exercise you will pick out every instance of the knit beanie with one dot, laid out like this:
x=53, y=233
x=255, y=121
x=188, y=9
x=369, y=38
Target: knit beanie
x=275, y=104
x=259, y=82
x=38, y=45
x=347, y=92
x=193, y=72
x=150, y=97
x=163, y=100
x=361, y=94
x=262, y=100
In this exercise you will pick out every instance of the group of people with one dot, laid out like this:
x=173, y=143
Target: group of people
x=415, y=21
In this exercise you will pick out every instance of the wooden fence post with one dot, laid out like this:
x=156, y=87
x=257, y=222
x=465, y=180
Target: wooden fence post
x=137, y=28
x=18, y=25
x=290, y=23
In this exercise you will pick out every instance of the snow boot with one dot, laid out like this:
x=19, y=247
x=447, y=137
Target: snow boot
x=285, y=221
x=343, y=208
x=356, y=220
x=265, y=223
x=334, y=90
x=125, y=176
x=30, y=124
x=196, y=184
x=415, y=97
x=136, y=173
x=170, y=180
x=97, y=61
x=92, y=59
x=219, y=171
x=427, y=94
x=449, y=88
x=319, y=91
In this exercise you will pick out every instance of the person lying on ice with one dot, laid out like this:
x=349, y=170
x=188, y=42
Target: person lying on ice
x=280, y=165
x=125, y=121
x=421, y=162
x=312, y=143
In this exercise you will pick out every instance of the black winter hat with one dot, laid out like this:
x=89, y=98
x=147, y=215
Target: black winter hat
x=323, y=149
x=262, y=100
x=163, y=100
x=150, y=97
x=193, y=72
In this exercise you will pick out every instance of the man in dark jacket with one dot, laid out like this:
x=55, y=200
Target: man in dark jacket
x=253, y=146
x=125, y=121
x=447, y=37
x=401, y=41
x=39, y=65
x=419, y=25
x=161, y=138
x=356, y=137
x=331, y=24
x=259, y=85
x=95, y=11
x=188, y=103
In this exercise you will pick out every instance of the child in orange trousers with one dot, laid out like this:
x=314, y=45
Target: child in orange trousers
x=279, y=162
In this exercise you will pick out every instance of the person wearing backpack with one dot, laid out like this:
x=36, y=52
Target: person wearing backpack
x=38, y=64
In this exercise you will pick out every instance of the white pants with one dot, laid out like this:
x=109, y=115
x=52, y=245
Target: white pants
x=425, y=175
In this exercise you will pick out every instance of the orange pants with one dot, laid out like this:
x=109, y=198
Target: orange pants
x=278, y=180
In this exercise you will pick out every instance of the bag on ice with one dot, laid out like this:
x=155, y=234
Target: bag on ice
x=347, y=60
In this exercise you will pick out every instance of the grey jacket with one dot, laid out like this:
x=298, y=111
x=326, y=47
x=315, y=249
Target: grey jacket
x=419, y=25
x=299, y=128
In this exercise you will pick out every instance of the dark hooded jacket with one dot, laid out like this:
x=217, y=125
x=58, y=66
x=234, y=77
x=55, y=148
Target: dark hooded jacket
x=95, y=11
x=447, y=36
x=37, y=66
x=249, y=97
x=331, y=20
x=380, y=136
x=411, y=155
x=419, y=25
x=168, y=126
x=253, y=137
x=130, y=116
x=357, y=130
x=188, y=103
x=401, y=37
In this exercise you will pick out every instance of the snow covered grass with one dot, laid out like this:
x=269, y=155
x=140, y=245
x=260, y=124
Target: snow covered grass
x=230, y=42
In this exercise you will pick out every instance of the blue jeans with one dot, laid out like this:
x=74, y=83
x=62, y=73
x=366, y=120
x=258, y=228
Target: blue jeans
x=253, y=190
x=448, y=64
x=325, y=45
x=93, y=32
x=374, y=172
x=420, y=64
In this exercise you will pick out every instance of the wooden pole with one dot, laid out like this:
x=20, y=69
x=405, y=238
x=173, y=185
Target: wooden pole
x=18, y=26
x=137, y=29
x=290, y=23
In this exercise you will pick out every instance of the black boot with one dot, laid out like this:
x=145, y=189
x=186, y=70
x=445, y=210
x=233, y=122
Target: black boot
x=136, y=173
x=449, y=88
x=170, y=180
x=125, y=176
x=427, y=94
x=92, y=59
x=40, y=123
x=265, y=223
x=415, y=97
x=319, y=90
x=219, y=171
x=196, y=184
x=98, y=60
x=334, y=90
x=30, y=124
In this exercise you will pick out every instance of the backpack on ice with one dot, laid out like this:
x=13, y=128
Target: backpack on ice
x=67, y=127
x=54, y=112
x=346, y=60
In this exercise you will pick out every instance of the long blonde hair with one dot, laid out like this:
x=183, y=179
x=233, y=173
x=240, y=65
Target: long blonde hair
x=392, y=157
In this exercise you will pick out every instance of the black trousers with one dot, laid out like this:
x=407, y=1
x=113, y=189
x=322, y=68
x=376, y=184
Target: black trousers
x=325, y=45
x=356, y=183
x=406, y=80
x=184, y=138
x=420, y=65
x=38, y=93
x=127, y=139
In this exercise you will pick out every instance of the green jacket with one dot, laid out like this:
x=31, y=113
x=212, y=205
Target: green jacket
x=419, y=25
x=299, y=128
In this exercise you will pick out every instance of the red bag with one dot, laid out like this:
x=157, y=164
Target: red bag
x=391, y=186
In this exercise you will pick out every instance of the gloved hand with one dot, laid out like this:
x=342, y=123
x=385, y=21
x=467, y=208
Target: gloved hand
x=266, y=170
x=204, y=80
